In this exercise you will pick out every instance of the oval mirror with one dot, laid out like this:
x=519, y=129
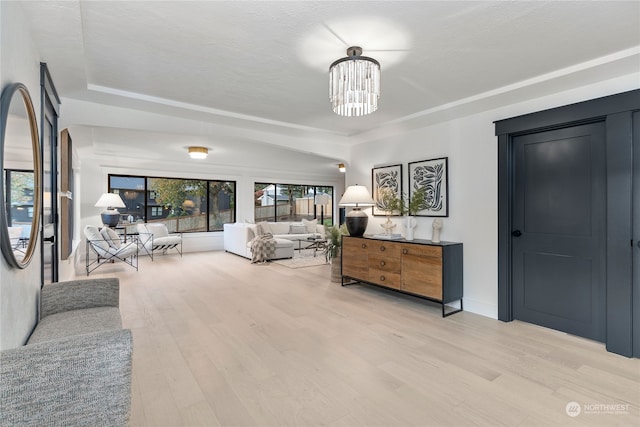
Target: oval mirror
x=20, y=178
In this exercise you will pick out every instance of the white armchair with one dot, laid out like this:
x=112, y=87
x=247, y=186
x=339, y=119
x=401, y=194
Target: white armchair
x=108, y=247
x=156, y=237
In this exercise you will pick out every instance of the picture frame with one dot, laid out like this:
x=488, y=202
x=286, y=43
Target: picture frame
x=434, y=175
x=66, y=195
x=385, y=178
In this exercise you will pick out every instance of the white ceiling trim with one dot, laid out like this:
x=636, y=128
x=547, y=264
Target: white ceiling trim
x=604, y=60
x=202, y=109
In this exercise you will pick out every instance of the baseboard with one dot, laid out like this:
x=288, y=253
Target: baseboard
x=480, y=307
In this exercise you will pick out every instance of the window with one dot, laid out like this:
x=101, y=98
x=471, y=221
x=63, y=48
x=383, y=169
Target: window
x=293, y=202
x=19, y=197
x=184, y=205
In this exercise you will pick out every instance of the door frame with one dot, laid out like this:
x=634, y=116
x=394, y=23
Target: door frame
x=616, y=111
x=49, y=97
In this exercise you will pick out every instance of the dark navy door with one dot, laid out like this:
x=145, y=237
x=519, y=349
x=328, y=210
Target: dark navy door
x=559, y=229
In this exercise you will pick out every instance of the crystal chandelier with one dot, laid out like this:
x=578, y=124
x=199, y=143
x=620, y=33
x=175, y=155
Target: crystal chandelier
x=354, y=84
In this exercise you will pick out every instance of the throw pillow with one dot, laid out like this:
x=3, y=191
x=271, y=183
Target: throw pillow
x=264, y=228
x=252, y=231
x=297, y=229
x=93, y=235
x=111, y=237
x=310, y=225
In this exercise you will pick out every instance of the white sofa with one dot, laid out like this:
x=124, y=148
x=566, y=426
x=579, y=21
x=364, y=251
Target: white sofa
x=289, y=236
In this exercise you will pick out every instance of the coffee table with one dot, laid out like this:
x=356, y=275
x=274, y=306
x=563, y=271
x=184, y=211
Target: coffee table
x=316, y=243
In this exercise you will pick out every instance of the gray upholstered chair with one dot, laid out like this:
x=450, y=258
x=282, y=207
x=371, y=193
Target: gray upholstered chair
x=75, y=369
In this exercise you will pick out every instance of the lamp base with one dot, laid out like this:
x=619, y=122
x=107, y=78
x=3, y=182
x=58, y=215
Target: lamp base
x=110, y=218
x=356, y=222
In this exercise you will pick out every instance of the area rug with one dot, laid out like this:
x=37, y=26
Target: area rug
x=303, y=258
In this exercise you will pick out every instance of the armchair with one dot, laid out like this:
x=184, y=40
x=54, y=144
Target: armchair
x=108, y=247
x=155, y=237
x=75, y=369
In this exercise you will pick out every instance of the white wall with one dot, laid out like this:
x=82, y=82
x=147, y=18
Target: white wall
x=471, y=146
x=19, y=289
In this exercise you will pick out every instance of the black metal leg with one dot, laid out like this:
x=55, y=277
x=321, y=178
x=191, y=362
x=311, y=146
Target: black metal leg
x=445, y=314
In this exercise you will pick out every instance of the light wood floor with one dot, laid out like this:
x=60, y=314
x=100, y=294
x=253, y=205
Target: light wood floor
x=219, y=341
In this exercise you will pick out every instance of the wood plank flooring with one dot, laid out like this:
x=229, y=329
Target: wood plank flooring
x=221, y=342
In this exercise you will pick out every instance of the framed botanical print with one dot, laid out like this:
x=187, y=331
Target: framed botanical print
x=386, y=182
x=433, y=175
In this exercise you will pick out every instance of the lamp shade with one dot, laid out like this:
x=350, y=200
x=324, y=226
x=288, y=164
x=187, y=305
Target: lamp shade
x=111, y=201
x=322, y=199
x=356, y=220
x=356, y=195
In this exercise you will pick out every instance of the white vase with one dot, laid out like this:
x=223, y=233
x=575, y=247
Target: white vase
x=409, y=224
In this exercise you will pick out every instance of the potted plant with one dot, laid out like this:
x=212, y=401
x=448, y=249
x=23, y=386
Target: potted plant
x=415, y=203
x=387, y=201
x=411, y=206
x=332, y=249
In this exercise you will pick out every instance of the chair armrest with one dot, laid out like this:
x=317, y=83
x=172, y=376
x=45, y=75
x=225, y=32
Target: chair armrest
x=83, y=380
x=79, y=294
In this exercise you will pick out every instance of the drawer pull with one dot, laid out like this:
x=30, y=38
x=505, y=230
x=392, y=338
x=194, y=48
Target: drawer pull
x=382, y=278
x=364, y=246
x=382, y=263
x=405, y=251
x=382, y=248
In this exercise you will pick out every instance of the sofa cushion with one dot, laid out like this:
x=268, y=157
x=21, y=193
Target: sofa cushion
x=253, y=230
x=310, y=225
x=280, y=243
x=264, y=228
x=279, y=227
x=297, y=229
x=76, y=322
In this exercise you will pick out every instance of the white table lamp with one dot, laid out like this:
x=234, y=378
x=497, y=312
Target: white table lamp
x=111, y=201
x=357, y=196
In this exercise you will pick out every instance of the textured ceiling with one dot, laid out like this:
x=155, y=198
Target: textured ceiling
x=263, y=64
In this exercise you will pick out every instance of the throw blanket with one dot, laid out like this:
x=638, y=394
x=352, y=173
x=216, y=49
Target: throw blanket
x=263, y=248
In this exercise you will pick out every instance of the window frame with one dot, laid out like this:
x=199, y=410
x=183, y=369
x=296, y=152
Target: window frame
x=147, y=207
x=317, y=214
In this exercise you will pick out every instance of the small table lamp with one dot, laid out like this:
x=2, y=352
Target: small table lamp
x=356, y=220
x=111, y=201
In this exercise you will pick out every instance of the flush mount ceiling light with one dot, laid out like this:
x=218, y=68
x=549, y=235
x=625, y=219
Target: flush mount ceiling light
x=198, y=152
x=354, y=84
x=342, y=168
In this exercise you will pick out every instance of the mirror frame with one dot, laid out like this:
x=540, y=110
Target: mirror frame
x=5, y=242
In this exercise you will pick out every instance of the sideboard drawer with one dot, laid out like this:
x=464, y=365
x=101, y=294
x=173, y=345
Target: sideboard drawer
x=422, y=251
x=386, y=249
x=381, y=262
x=385, y=278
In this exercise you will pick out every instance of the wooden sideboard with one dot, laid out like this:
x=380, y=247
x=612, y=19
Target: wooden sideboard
x=418, y=267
